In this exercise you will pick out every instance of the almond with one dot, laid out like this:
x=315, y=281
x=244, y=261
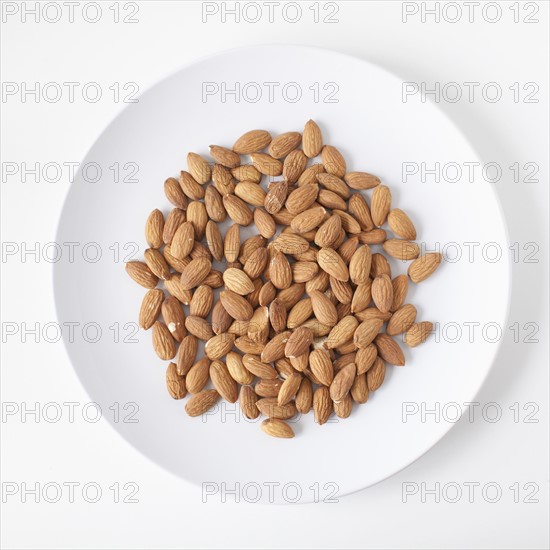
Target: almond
x=198, y=376
x=269, y=407
x=302, y=198
x=252, y=142
x=342, y=332
x=225, y=156
x=219, y=345
x=150, y=308
x=265, y=223
x=183, y=240
x=232, y=243
x=298, y=343
x=247, y=402
x=304, y=271
x=333, y=183
x=223, y=180
x=333, y=161
x=154, y=228
x=331, y=262
x=174, y=194
x=401, y=224
x=187, y=354
x=277, y=428
x=308, y=220
x=309, y=175
x=268, y=387
x=275, y=348
x=190, y=187
x=402, y=250
x=382, y=293
x=322, y=405
x=251, y=193
x=360, y=210
x=402, y=320
x=321, y=366
x=294, y=165
x=199, y=327
x=361, y=180
x=375, y=236
x=199, y=168
x=418, y=333
x=323, y=308
x=288, y=243
x=163, y=343
x=328, y=199
x=360, y=389
x=237, y=210
x=328, y=232
x=197, y=215
x=236, y=305
x=256, y=263
x=258, y=328
x=361, y=297
x=359, y=265
x=343, y=408
x=266, y=164
x=366, y=332
x=400, y=287
x=173, y=221
x=175, y=383
x=312, y=139
x=173, y=316
x=195, y=273
x=299, y=313
x=238, y=281
x=380, y=204
x=289, y=389
x=421, y=268
x=258, y=368
x=375, y=375
x=237, y=370
x=278, y=315
x=283, y=144
x=276, y=197
x=201, y=302
x=389, y=350
x=304, y=397
x=342, y=383
x=280, y=271
x=201, y=402
x=246, y=172
x=223, y=383
x=140, y=272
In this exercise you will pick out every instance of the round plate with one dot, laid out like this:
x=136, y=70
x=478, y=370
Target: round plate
x=361, y=111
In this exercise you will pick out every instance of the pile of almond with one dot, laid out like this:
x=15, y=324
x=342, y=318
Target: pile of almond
x=307, y=316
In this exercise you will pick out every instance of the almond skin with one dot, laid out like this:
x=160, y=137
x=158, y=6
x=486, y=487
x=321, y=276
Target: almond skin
x=247, y=402
x=400, y=288
x=277, y=428
x=175, y=383
x=201, y=402
x=342, y=332
x=199, y=168
x=322, y=405
x=342, y=383
x=238, y=281
x=402, y=320
x=321, y=366
x=323, y=308
x=312, y=140
x=237, y=306
x=195, y=273
x=187, y=354
x=293, y=166
x=225, y=156
x=401, y=225
x=389, y=350
x=174, y=317
x=361, y=180
x=402, y=250
x=150, y=308
x=302, y=198
x=421, y=268
x=163, y=343
x=418, y=333
x=333, y=161
x=224, y=384
x=219, y=345
x=198, y=375
x=289, y=389
x=252, y=142
x=331, y=262
x=283, y=144
x=298, y=343
x=359, y=265
x=380, y=204
x=382, y=293
x=154, y=228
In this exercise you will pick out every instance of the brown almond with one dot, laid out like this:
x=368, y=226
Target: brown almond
x=402, y=320
x=298, y=343
x=183, y=240
x=421, y=268
x=294, y=165
x=175, y=383
x=304, y=397
x=321, y=366
x=287, y=243
x=276, y=196
x=283, y=144
x=289, y=389
x=198, y=375
x=174, y=317
x=154, y=227
x=389, y=350
x=334, y=183
x=361, y=180
x=309, y=175
x=401, y=224
x=187, y=354
x=280, y=271
x=258, y=368
x=376, y=374
x=174, y=194
x=331, y=262
x=364, y=358
x=342, y=383
x=163, y=343
x=382, y=293
x=198, y=216
x=237, y=306
x=312, y=140
x=278, y=315
x=237, y=210
x=199, y=327
x=150, y=308
x=333, y=161
x=223, y=383
x=359, y=209
x=232, y=243
x=190, y=187
x=225, y=156
x=173, y=221
x=322, y=405
x=402, y=250
x=219, y=345
x=199, y=168
x=266, y=164
x=400, y=288
x=380, y=204
x=418, y=333
x=246, y=172
x=299, y=313
x=302, y=198
x=277, y=428
x=323, y=308
x=275, y=348
x=247, y=402
x=201, y=402
x=140, y=272
x=360, y=389
x=252, y=142
x=269, y=407
x=359, y=265
x=265, y=223
x=195, y=273
x=308, y=219
x=238, y=281
x=237, y=370
x=366, y=332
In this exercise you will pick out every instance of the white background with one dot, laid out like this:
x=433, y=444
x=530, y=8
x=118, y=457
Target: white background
x=170, y=513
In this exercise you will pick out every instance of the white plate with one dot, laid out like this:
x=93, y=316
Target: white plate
x=377, y=132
